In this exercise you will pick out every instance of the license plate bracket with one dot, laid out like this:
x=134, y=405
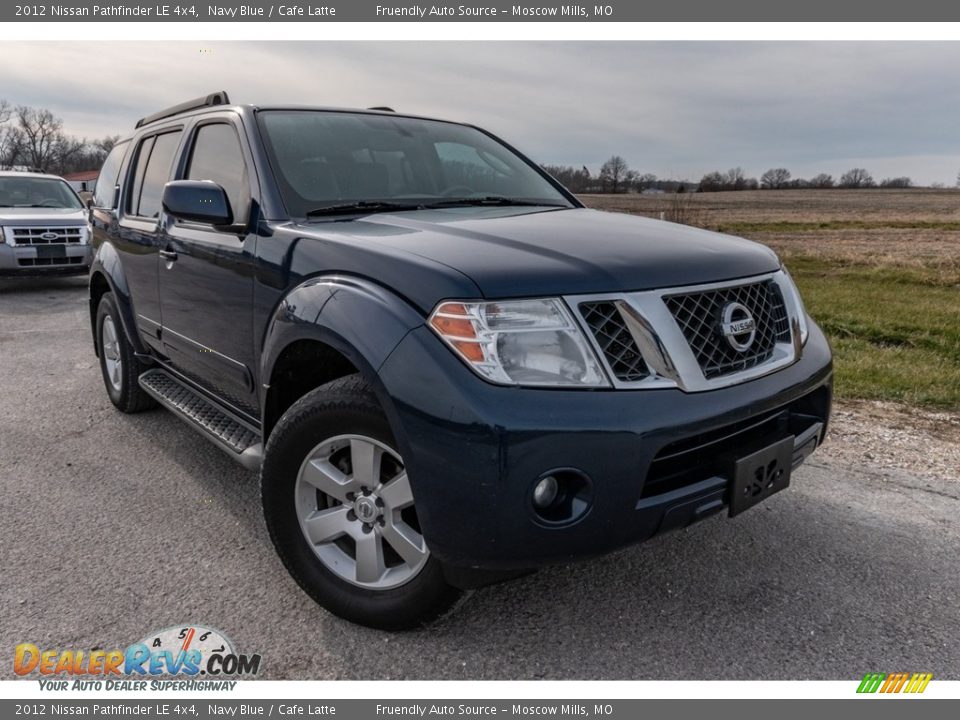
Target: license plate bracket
x=51, y=251
x=760, y=474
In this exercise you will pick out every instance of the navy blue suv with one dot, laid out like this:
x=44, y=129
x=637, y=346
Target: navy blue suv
x=447, y=371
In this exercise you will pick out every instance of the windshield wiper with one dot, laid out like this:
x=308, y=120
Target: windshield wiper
x=362, y=206
x=374, y=206
x=493, y=200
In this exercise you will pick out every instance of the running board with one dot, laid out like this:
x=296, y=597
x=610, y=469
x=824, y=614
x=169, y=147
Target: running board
x=234, y=437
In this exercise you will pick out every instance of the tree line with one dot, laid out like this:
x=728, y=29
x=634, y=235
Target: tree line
x=616, y=176
x=34, y=139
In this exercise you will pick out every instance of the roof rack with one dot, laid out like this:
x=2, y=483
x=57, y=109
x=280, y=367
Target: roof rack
x=217, y=98
x=382, y=108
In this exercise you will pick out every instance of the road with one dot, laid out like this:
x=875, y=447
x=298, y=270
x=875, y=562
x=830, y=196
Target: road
x=114, y=525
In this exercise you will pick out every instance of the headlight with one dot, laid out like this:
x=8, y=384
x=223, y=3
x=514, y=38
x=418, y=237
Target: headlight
x=795, y=308
x=519, y=342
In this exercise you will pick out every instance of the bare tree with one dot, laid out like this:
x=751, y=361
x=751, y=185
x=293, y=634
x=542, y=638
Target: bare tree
x=42, y=136
x=616, y=175
x=958, y=179
x=647, y=180
x=573, y=179
x=821, y=181
x=9, y=138
x=734, y=178
x=897, y=182
x=711, y=182
x=775, y=178
x=857, y=178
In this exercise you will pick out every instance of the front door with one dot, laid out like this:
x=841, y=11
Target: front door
x=206, y=275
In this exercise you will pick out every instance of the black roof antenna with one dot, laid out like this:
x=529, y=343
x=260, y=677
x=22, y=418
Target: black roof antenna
x=382, y=108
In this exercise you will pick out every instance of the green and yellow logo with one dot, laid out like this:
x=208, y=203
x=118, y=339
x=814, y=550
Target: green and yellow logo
x=894, y=682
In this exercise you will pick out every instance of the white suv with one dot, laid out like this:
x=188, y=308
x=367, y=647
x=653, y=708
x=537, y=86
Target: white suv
x=44, y=226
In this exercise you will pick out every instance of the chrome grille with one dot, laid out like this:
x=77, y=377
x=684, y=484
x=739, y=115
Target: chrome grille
x=699, y=317
x=47, y=236
x=615, y=341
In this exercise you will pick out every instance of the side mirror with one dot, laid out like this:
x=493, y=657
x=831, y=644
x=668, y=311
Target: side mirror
x=197, y=200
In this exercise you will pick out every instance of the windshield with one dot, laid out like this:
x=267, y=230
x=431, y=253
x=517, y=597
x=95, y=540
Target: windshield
x=327, y=159
x=37, y=192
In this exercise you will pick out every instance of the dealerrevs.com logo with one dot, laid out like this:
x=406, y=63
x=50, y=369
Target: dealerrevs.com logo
x=187, y=651
x=891, y=683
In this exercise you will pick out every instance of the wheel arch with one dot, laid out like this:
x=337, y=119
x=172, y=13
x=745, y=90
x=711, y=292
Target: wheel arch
x=325, y=328
x=106, y=275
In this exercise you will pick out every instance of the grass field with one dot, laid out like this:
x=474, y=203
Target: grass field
x=879, y=271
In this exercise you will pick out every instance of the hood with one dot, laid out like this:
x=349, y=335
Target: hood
x=52, y=217
x=515, y=252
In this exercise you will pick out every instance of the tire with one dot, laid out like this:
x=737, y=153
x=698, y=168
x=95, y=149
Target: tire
x=119, y=365
x=310, y=486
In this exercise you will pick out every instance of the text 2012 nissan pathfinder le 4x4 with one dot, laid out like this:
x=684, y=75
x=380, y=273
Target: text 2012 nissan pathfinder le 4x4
x=445, y=368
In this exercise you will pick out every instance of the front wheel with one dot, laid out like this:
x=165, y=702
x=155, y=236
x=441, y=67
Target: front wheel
x=341, y=511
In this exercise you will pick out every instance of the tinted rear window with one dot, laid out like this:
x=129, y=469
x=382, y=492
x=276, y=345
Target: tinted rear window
x=105, y=193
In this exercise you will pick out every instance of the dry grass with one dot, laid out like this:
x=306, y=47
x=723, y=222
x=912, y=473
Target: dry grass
x=879, y=269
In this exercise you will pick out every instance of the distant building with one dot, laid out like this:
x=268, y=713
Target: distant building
x=84, y=181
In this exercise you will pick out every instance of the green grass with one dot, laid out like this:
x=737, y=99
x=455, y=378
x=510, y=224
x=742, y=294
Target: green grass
x=895, y=331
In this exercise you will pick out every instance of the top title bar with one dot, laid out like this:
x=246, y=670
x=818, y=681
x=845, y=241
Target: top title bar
x=486, y=11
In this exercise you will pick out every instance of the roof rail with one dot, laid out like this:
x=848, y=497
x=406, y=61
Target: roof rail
x=382, y=108
x=217, y=98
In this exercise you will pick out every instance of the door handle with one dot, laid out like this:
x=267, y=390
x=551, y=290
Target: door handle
x=168, y=255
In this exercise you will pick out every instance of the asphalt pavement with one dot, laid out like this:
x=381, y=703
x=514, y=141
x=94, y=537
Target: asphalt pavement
x=115, y=525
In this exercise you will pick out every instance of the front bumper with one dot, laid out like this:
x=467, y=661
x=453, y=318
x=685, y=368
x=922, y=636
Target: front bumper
x=653, y=457
x=23, y=260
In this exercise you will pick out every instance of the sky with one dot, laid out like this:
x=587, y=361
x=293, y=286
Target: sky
x=675, y=109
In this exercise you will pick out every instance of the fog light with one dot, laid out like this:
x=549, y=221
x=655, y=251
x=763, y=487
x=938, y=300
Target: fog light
x=560, y=497
x=545, y=492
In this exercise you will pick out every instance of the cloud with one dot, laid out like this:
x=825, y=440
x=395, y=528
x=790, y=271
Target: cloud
x=675, y=109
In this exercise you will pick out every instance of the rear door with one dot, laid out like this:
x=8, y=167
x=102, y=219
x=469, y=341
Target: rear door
x=206, y=274
x=138, y=228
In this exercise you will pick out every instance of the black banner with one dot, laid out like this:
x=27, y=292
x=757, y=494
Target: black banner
x=483, y=11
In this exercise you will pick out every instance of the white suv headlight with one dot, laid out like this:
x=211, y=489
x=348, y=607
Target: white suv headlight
x=519, y=342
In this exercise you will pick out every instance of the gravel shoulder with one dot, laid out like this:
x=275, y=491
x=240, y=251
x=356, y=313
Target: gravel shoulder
x=887, y=438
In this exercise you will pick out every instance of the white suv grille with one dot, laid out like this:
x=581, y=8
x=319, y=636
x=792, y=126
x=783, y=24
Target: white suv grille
x=46, y=235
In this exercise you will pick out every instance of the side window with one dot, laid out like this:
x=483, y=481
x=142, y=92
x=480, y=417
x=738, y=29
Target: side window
x=143, y=154
x=217, y=156
x=105, y=193
x=154, y=159
x=157, y=174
